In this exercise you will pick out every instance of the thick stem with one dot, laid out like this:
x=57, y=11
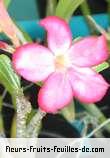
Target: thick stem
x=23, y=108
x=35, y=124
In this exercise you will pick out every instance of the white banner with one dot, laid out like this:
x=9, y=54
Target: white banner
x=55, y=148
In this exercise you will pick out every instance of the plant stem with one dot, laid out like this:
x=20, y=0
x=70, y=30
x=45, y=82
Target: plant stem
x=51, y=6
x=35, y=124
x=23, y=108
x=69, y=112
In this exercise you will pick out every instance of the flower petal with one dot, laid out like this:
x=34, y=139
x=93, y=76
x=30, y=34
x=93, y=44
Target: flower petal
x=58, y=33
x=7, y=26
x=88, y=86
x=55, y=94
x=33, y=62
x=89, y=51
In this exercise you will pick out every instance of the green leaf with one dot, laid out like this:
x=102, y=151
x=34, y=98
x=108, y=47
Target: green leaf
x=101, y=67
x=7, y=3
x=7, y=76
x=85, y=8
x=66, y=8
x=51, y=6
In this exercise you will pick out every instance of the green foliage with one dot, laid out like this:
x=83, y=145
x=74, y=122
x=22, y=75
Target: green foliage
x=66, y=8
x=7, y=76
x=101, y=67
x=51, y=6
x=7, y=2
x=85, y=8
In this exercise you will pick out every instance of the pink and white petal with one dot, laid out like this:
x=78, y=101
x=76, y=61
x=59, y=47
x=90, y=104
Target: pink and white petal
x=89, y=51
x=59, y=35
x=88, y=86
x=55, y=94
x=33, y=62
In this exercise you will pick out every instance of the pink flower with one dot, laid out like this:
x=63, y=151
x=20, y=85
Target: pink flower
x=65, y=69
x=7, y=25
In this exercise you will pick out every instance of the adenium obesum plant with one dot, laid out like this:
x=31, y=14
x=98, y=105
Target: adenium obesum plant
x=63, y=67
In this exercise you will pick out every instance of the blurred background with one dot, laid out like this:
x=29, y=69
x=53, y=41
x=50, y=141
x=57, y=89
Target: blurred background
x=33, y=9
